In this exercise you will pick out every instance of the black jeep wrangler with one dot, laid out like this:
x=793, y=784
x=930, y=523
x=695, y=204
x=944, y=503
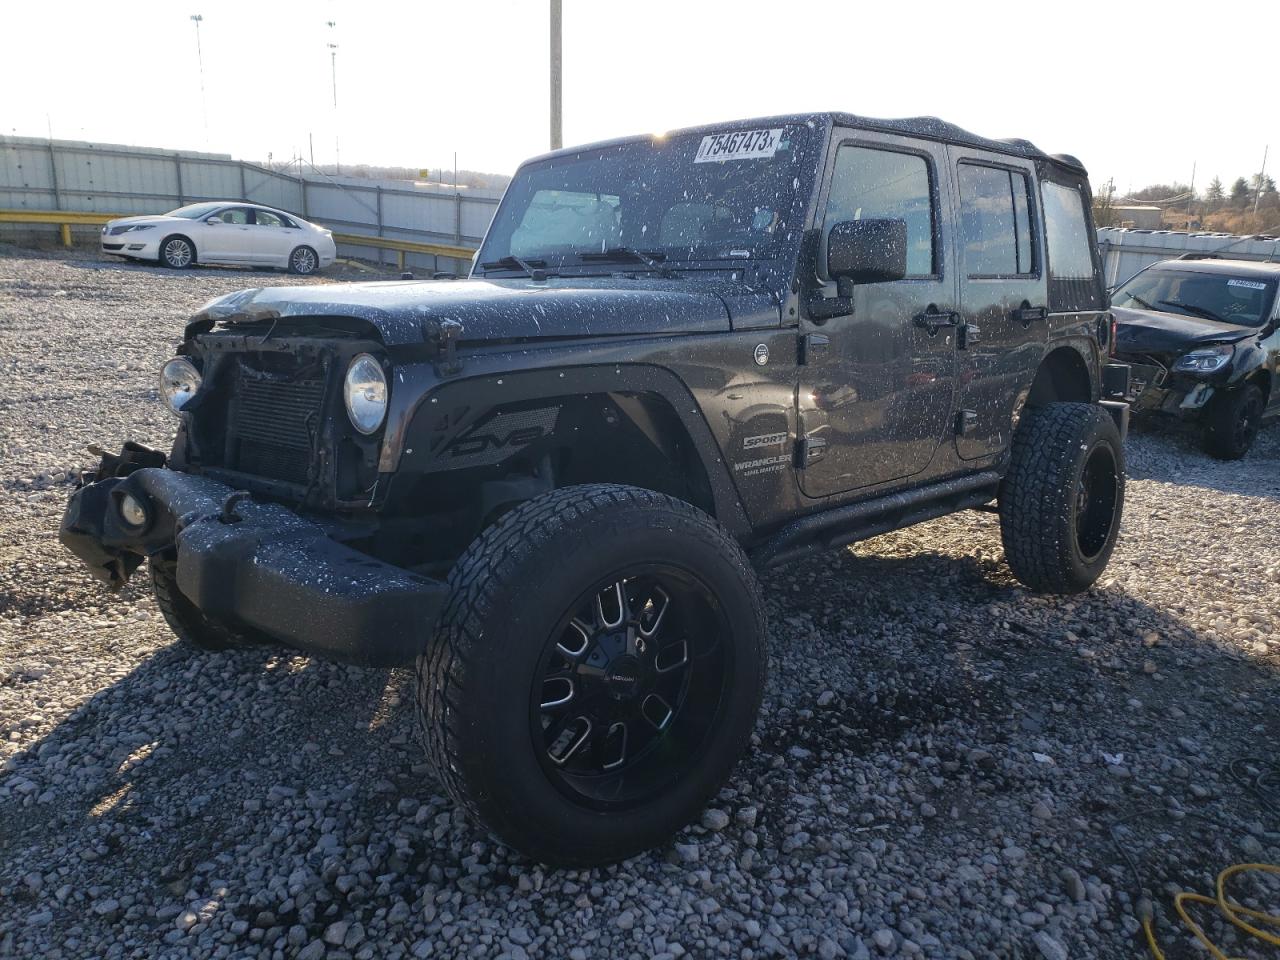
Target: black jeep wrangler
x=678, y=359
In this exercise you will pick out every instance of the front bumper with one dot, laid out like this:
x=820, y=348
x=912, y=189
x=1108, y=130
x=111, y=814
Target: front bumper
x=131, y=245
x=1158, y=390
x=257, y=564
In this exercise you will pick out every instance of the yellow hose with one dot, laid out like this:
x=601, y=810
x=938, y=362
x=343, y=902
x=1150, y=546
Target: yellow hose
x=1233, y=913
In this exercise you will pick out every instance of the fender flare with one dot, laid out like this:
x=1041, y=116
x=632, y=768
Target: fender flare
x=461, y=403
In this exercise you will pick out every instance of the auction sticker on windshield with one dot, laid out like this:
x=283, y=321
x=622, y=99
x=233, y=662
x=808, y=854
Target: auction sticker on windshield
x=739, y=145
x=1251, y=284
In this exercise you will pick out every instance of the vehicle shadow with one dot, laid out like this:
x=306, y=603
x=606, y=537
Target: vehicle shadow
x=276, y=791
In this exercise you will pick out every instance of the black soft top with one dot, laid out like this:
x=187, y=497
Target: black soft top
x=926, y=128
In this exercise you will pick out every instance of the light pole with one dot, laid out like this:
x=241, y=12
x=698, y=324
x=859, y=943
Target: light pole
x=333, y=77
x=197, y=19
x=556, y=76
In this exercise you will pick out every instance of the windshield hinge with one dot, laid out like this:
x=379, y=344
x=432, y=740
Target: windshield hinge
x=447, y=333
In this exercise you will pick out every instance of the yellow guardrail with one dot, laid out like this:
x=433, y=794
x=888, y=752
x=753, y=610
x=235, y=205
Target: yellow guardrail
x=401, y=247
x=65, y=218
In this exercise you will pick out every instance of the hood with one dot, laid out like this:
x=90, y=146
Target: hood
x=1156, y=332
x=147, y=218
x=520, y=309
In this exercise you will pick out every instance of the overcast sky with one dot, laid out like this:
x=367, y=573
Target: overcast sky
x=1118, y=83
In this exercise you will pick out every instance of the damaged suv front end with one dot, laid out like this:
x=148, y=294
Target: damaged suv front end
x=264, y=511
x=1200, y=339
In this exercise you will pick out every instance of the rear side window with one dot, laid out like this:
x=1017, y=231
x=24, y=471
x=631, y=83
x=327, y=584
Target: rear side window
x=1067, y=233
x=265, y=218
x=873, y=184
x=995, y=224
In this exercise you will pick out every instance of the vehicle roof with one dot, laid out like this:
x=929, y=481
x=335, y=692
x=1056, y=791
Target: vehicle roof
x=925, y=128
x=1257, y=268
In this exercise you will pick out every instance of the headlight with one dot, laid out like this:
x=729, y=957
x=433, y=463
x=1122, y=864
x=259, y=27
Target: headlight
x=365, y=393
x=179, y=381
x=134, y=228
x=1205, y=360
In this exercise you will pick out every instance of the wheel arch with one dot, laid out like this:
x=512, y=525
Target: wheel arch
x=636, y=425
x=1063, y=376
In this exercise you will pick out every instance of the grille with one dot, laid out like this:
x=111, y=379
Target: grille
x=273, y=424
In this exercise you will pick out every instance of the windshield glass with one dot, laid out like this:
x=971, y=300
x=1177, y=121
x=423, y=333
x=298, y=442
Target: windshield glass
x=194, y=211
x=735, y=195
x=1207, y=296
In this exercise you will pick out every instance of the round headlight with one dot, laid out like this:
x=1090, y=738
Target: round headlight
x=365, y=393
x=179, y=381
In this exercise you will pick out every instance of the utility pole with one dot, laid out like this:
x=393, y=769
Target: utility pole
x=333, y=76
x=204, y=103
x=1191, y=198
x=557, y=140
x=1262, y=178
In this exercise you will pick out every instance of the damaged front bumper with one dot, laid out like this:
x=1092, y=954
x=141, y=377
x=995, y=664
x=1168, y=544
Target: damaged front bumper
x=1158, y=390
x=248, y=562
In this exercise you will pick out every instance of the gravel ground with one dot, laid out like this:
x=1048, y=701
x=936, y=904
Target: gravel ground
x=938, y=765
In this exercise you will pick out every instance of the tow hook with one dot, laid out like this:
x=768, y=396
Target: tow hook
x=229, y=514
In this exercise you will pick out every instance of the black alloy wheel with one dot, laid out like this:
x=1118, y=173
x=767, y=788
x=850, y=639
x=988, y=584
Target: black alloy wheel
x=629, y=687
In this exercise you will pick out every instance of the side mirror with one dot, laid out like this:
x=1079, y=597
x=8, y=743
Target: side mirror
x=867, y=251
x=212, y=221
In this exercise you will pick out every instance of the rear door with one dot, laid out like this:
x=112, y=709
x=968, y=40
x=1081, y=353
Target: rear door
x=875, y=389
x=273, y=240
x=1003, y=300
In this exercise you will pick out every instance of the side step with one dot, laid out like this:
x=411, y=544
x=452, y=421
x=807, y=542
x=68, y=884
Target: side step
x=869, y=518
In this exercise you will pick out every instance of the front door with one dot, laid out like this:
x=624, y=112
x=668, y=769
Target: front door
x=875, y=390
x=1003, y=295
x=226, y=238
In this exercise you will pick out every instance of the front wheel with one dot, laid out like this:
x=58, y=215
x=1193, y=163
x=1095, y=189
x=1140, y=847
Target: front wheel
x=1232, y=422
x=1062, y=497
x=177, y=252
x=596, y=673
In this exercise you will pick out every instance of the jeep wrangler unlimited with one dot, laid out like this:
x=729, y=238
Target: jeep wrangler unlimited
x=677, y=358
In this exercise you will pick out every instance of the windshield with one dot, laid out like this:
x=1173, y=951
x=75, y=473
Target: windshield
x=194, y=211
x=730, y=196
x=1242, y=301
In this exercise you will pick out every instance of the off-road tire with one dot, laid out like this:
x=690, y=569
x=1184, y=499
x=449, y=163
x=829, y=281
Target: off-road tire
x=1040, y=497
x=165, y=261
x=190, y=624
x=474, y=680
x=1231, y=422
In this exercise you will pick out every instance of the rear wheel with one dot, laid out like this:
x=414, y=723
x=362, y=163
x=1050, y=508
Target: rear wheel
x=303, y=261
x=177, y=252
x=596, y=673
x=1232, y=422
x=1062, y=497
x=189, y=623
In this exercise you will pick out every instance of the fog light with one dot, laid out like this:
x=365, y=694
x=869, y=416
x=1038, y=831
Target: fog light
x=132, y=511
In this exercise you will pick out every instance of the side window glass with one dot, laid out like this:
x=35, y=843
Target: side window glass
x=1066, y=233
x=995, y=221
x=873, y=184
x=266, y=218
x=237, y=215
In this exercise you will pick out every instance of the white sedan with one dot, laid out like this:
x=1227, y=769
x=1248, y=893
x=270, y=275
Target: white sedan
x=222, y=232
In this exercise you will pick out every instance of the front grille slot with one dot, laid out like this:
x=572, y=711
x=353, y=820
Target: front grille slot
x=274, y=420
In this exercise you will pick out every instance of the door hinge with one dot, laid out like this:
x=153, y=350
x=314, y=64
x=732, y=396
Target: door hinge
x=811, y=344
x=966, y=421
x=810, y=450
x=968, y=334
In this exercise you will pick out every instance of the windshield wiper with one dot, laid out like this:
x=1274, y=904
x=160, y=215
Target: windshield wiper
x=650, y=258
x=1198, y=311
x=534, y=268
x=1138, y=299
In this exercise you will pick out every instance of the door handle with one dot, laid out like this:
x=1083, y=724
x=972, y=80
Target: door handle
x=1026, y=313
x=933, y=318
